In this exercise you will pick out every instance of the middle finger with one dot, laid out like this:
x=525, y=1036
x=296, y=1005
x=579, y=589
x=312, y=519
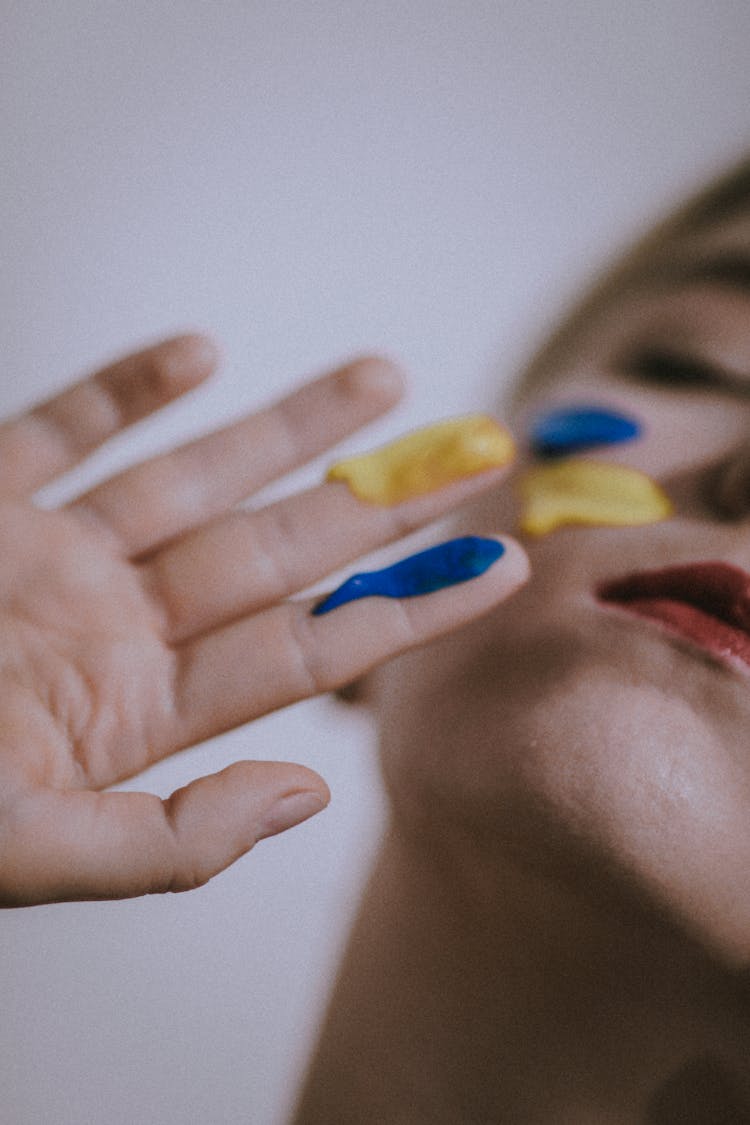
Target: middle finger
x=163, y=497
x=246, y=561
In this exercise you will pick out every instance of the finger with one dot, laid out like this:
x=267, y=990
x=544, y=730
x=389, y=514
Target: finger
x=246, y=561
x=157, y=500
x=285, y=654
x=85, y=845
x=55, y=435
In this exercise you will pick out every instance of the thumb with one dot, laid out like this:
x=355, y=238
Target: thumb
x=65, y=845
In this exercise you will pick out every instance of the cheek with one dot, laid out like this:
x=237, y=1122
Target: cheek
x=617, y=482
x=580, y=491
x=679, y=429
x=679, y=435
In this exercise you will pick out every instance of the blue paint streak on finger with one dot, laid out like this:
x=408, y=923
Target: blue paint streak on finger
x=449, y=563
x=571, y=429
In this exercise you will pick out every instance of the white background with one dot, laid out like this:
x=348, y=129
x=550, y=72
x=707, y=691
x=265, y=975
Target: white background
x=305, y=181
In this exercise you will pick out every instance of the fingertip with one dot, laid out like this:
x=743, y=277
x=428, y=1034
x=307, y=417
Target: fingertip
x=376, y=377
x=190, y=357
x=302, y=778
x=295, y=794
x=289, y=811
x=516, y=565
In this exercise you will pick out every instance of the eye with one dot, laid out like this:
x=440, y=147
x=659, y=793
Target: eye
x=666, y=368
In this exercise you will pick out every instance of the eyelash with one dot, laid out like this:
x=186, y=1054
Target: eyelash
x=670, y=369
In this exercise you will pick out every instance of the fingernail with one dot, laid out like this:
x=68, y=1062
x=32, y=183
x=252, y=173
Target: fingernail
x=288, y=811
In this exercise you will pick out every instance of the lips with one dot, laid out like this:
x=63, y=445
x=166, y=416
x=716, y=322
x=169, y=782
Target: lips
x=706, y=603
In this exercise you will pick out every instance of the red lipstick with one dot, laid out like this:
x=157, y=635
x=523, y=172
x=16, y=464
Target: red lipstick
x=707, y=603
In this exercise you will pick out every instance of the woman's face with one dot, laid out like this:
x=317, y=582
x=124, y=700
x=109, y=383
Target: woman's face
x=576, y=736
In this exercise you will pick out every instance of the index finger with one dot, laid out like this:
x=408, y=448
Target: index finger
x=271, y=659
x=55, y=435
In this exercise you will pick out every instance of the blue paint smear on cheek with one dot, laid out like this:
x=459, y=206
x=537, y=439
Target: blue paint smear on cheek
x=449, y=563
x=571, y=429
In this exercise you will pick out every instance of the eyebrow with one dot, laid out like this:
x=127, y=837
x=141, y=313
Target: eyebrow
x=731, y=269
x=727, y=270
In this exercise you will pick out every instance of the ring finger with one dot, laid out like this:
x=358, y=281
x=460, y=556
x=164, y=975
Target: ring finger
x=246, y=561
x=159, y=499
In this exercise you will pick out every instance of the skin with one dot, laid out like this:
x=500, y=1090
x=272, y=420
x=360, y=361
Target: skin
x=151, y=613
x=558, y=927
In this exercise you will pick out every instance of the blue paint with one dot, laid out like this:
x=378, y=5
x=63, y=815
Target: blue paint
x=449, y=563
x=573, y=428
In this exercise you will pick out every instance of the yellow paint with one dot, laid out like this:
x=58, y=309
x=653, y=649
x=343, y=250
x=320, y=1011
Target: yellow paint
x=577, y=491
x=426, y=460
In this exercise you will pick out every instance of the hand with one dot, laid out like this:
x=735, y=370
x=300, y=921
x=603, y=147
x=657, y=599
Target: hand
x=145, y=616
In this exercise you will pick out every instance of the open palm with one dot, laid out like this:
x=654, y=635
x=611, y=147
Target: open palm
x=151, y=613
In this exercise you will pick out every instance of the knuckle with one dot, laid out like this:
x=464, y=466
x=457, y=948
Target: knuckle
x=289, y=427
x=189, y=879
x=310, y=670
x=271, y=545
x=406, y=631
x=274, y=546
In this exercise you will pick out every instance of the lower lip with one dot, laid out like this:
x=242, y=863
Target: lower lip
x=713, y=636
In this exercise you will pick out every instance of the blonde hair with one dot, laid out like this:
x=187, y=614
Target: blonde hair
x=715, y=204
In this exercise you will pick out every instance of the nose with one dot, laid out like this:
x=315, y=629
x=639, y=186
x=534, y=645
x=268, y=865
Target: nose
x=729, y=484
x=716, y=489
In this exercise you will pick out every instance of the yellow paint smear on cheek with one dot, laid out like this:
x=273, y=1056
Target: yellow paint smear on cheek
x=426, y=460
x=591, y=493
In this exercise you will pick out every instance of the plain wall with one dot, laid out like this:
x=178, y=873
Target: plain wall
x=305, y=181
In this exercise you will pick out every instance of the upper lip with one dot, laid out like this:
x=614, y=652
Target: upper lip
x=717, y=588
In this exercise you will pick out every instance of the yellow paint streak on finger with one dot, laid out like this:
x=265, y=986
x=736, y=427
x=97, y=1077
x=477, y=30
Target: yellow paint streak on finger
x=427, y=460
x=591, y=493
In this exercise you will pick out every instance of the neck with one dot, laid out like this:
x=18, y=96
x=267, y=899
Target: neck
x=455, y=1004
